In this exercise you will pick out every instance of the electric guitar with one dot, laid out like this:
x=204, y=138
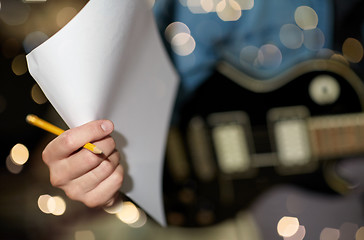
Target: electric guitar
x=239, y=136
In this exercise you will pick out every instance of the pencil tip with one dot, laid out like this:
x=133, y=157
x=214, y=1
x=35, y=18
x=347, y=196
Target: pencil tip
x=97, y=150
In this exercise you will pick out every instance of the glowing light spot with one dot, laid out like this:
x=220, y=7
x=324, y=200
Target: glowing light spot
x=175, y=28
x=14, y=12
x=12, y=167
x=38, y=95
x=269, y=56
x=352, y=50
x=288, y=226
x=329, y=234
x=183, y=44
x=115, y=208
x=245, y=4
x=51, y=205
x=248, y=54
x=207, y=5
x=65, y=15
x=129, y=213
x=360, y=234
x=60, y=206
x=10, y=48
x=348, y=230
x=299, y=235
x=339, y=58
x=84, y=235
x=306, y=18
x=228, y=10
x=33, y=40
x=19, y=65
x=142, y=220
x=325, y=53
x=43, y=203
x=291, y=36
x=314, y=39
x=195, y=6
x=19, y=154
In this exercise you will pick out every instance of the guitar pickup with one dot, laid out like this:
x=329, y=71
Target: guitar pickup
x=232, y=141
x=290, y=139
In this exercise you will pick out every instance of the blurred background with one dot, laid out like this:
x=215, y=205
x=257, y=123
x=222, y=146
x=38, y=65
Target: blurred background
x=243, y=159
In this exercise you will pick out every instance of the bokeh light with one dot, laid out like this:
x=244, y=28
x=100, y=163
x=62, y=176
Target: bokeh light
x=359, y=235
x=228, y=10
x=352, y=50
x=65, y=15
x=269, y=56
x=129, y=213
x=115, y=208
x=330, y=234
x=249, y=54
x=183, y=44
x=306, y=17
x=208, y=5
x=348, y=230
x=38, y=95
x=314, y=39
x=19, y=154
x=175, y=28
x=19, y=65
x=33, y=40
x=14, y=13
x=141, y=221
x=60, y=206
x=54, y=205
x=195, y=6
x=299, y=235
x=291, y=36
x=245, y=4
x=287, y=226
x=43, y=203
x=12, y=167
x=339, y=58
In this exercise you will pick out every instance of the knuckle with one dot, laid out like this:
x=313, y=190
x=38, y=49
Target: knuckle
x=118, y=176
x=112, y=143
x=91, y=202
x=55, y=180
x=67, y=139
x=74, y=193
x=107, y=167
x=46, y=156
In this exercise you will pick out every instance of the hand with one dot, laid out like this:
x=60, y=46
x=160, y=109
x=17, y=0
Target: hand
x=84, y=176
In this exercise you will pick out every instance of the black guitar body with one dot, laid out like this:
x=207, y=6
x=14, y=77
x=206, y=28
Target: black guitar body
x=194, y=201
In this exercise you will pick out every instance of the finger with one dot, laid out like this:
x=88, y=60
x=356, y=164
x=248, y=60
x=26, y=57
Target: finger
x=104, y=193
x=75, y=138
x=91, y=179
x=81, y=162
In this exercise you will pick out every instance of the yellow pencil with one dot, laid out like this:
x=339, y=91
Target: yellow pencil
x=38, y=122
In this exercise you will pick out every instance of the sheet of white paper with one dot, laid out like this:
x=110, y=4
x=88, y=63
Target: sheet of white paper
x=109, y=62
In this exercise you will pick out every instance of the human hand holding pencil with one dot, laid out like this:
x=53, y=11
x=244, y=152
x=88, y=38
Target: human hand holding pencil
x=94, y=179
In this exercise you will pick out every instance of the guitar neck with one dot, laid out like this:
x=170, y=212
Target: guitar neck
x=336, y=136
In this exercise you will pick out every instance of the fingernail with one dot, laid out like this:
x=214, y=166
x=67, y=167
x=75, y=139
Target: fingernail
x=106, y=126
